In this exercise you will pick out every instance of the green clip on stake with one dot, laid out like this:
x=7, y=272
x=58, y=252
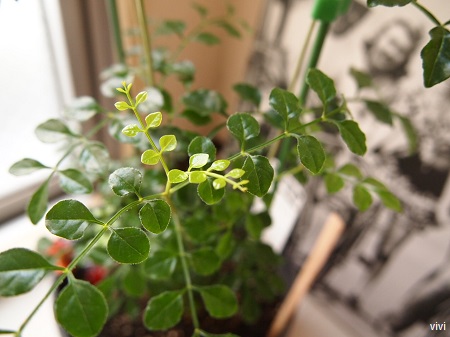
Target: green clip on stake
x=325, y=11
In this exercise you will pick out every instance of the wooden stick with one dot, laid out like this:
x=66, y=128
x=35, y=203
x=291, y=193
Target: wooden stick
x=322, y=249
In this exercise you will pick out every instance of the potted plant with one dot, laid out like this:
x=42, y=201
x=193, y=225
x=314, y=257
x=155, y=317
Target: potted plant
x=172, y=237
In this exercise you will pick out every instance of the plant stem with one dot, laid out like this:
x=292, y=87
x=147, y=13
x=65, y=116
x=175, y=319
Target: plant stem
x=115, y=23
x=427, y=13
x=317, y=49
x=301, y=58
x=187, y=275
x=146, y=41
x=260, y=146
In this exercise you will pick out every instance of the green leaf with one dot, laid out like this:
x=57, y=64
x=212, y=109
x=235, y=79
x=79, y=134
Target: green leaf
x=155, y=215
x=164, y=311
x=201, y=10
x=197, y=177
x=38, y=203
x=81, y=309
x=201, y=144
x=259, y=173
x=322, y=85
x=219, y=165
x=219, y=183
x=205, y=261
x=225, y=245
x=185, y=71
x=333, y=182
x=171, y=27
x=436, y=57
x=255, y=224
x=82, y=108
x=128, y=245
x=220, y=301
x=7, y=332
x=208, y=193
x=131, y=130
x=150, y=157
x=205, y=102
x=389, y=200
x=52, y=131
x=411, y=133
x=168, y=143
x=177, y=176
x=285, y=103
x=235, y=173
x=195, y=117
x=361, y=197
x=134, y=283
x=69, y=219
x=95, y=158
x=26, y=166
x=352, y=136
x=387, y=3
x=153, y=120
x=363, y=79
x=74, y=181
x=380, y=110
x=229, y=28
x=198, y=160
x=160, y=265
x=207, y=38
x=125, y=180
x=248, y=92
x=351, y=171
x=141, y=97
x=21, y=270
x=243, y=127
x=311, y=153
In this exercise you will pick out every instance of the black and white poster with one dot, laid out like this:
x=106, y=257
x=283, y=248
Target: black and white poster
x=391, y=271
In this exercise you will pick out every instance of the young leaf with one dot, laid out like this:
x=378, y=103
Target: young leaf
x=219, y=183
x=333, y=182
x=387, y=3
x=205, y=261
x=311, y=153
x=219, y=165
x=436, y=57
x=74, y=181
x=352, y=136
x=380, y=111
x=125, y=180
x=285, y=103
x=198, y=160
x=155, y=216
x=168, y=143
x=248, y=93
x=220, y=301
x=201, y=144
x=21, y=270
x=26, y=166
x=208, y=193
x=150, y=157
x=153, y=120
x=361, y=197
x=53, y=131
x=243, y=126
x=235, y=173
x=177, y=176
x=81, y=309
x=131, y=130
x=207, y=38
x=322, y=85
x=160, y=265
x=259, y=173
x=128, y=245
x=141, y=97
x=164, y=311
x=38, y=203
x=69, y=219
x=197, y=177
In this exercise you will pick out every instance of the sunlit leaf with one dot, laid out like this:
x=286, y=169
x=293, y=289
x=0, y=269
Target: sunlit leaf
x=26, y=166
x=74, y=181
x=53, y=130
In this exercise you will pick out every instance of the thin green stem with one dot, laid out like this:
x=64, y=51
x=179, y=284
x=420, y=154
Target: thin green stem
x=426, y=12
x=259, y=147
x=115, y=23
x=146, y=41
x=184, y=265
x=301, y=58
